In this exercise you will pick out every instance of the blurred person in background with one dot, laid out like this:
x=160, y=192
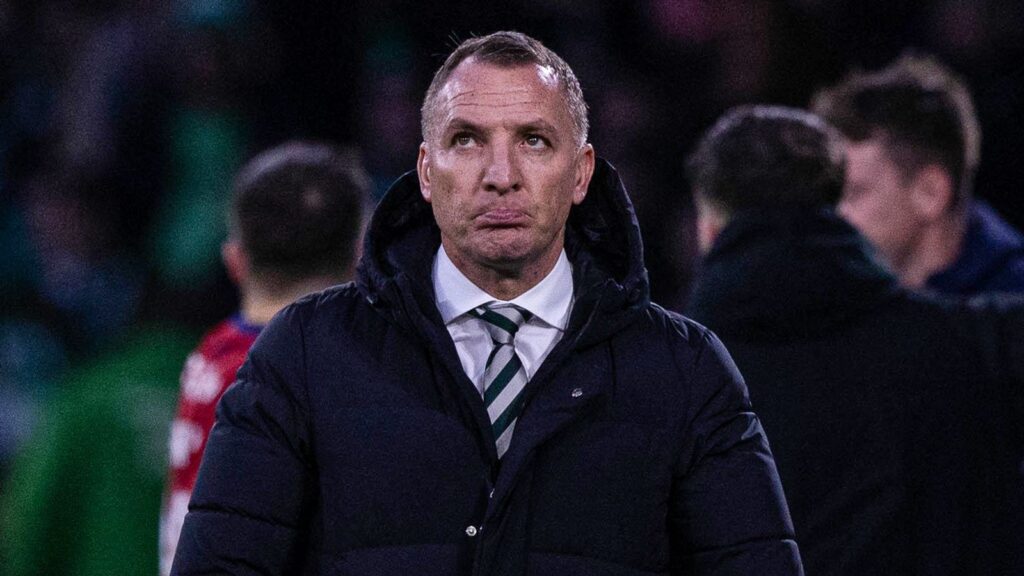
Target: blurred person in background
x=70, y=290
x=73, y=79
x=895, y=418
x=294, y=228
x=913, y=145
x=496, y=394
x=84, y=494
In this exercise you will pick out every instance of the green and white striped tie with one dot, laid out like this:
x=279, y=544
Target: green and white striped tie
x=504, y=376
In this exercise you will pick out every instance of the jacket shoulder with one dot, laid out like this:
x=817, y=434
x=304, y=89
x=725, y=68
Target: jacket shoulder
x=332, y=300
x=677, y=351
x=679, y=331
x=1009, y=278
x=319, y=314
x=284, y=345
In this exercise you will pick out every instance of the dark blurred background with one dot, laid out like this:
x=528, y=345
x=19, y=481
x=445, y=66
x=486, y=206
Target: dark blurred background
x=122, y=122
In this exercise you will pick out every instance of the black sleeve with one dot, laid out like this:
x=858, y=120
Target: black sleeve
x=728, y=514
x=247, y=512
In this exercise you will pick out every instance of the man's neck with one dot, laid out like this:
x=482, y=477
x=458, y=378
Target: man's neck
x=506, y=283
x=937, y=248
x=259, y=305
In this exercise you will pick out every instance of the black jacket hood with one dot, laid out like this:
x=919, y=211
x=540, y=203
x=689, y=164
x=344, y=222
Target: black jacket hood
x=602, y=242
x=785, y=273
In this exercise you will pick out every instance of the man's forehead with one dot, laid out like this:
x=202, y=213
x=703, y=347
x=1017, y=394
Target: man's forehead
x=475, y=78
x=869, y=160
x=481, y=90
x=866, y=152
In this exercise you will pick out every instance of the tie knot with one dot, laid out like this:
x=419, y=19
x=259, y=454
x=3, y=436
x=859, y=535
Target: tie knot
x=502, y=321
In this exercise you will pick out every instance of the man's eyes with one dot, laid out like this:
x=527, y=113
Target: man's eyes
x=535, y=141
x=468, y=140
x=463, y=140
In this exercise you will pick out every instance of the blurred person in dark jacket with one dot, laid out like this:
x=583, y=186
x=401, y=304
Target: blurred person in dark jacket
x=294, y=224
x=895, y=418
x=913, y=145
x=496, y=394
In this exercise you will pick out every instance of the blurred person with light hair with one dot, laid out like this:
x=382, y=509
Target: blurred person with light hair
x=895, y=417
x=913, y=145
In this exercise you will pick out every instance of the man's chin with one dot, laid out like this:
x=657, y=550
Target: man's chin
x=503, y=247
x=510, y=262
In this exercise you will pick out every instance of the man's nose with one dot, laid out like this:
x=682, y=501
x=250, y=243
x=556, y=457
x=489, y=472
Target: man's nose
x=501, y=174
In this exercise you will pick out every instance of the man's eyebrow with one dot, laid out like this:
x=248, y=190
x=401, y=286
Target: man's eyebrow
x=460, y=124
x=538, y=125
x=457, y=123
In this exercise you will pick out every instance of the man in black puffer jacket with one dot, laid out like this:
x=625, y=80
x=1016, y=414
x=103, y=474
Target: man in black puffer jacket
x=895, y=419
x=496, y=395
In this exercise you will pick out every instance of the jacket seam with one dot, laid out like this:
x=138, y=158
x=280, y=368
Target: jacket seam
x=307, y=406
x=687, y=425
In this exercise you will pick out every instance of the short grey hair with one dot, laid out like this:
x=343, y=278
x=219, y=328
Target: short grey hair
x=507, y=49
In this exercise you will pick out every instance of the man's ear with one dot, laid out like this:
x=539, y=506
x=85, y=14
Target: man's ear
x=236, y=261
x=710, y=222
x=584, y=172
x=423, y=171
x=932, y=192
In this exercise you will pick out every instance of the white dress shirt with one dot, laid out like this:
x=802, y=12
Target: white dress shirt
x=550, y=302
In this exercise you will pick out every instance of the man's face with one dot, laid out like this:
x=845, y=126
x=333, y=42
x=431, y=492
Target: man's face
x=877, y=200
x=503, y=167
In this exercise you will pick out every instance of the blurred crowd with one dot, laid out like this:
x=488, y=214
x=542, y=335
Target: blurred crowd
x=122, y=123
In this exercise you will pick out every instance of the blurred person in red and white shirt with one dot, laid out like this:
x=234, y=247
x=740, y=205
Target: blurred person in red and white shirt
x=295, y=223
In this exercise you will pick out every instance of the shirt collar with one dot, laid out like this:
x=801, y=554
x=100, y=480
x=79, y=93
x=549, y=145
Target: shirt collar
x=550, y=300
